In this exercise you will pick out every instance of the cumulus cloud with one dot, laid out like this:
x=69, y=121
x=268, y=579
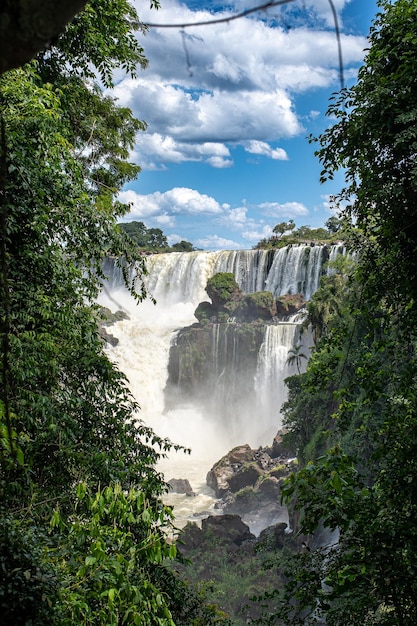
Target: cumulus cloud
x=214, y=242
x=260, y=147
x=220, y=90
x=256, y=234
x=163, y=206
x=287, y=209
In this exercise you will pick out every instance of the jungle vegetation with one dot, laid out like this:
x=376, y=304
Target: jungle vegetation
x=83, y=529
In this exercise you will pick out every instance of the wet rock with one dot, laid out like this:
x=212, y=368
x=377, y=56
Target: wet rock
x=289, y=304
x=191, y=537
x=269, y=487
x=248, y=483
x=181, y=485
x=246, y=476
x=220, y=474
x=274, y=537
x=228, y=527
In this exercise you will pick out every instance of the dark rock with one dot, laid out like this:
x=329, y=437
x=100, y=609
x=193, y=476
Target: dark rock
x=205, y=312
x=228, y=527
x=220, y=474
x=107, y=337
x=273, y=537
x=278, y=448
x=191, y=537
x=181, y=485
x=256, y=306
x=269, y=487
x=289, y=304
x=246, y=476
x=108, y=317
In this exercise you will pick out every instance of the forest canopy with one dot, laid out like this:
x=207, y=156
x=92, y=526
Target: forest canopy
x=83, y=529
x=352, y=414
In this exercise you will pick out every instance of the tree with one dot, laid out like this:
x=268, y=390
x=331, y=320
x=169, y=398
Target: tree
x=366, y=361
x=374, y=141
x=334, y=224
x=82, y=524
x=183, y=246
x=295, y=356
x=284, y=227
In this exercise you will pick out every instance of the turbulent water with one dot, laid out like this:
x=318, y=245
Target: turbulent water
x=177, y=281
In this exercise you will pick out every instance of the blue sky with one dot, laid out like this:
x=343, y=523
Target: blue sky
x=229, y=107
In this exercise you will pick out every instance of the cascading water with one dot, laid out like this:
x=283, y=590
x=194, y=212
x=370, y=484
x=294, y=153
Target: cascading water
x=210, y=427
x=272, y=369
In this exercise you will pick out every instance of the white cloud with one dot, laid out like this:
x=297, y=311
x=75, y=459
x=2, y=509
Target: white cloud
x=257, y=234
x=287, y=209
x=163, y=206
x=219, y=162
x=260, y=147
x=235, y=82
x=214, y=242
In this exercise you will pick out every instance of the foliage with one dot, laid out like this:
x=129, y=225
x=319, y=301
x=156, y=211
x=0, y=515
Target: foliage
x=183, y=246
x=284, y=227
x=99, y=39
x=152, y=239
x=145, y=238
x=353, y=413
x=374, y=141
x=222, y=288
x=234, y=575
x=296, y=356
x=82, y=525
x=303, y=234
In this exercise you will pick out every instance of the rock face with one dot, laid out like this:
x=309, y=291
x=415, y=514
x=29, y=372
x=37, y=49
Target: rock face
x=214, y=366
x=289, y=305
x=228, y=527
x=247, y=482
x=181, y=485
x=107, y=318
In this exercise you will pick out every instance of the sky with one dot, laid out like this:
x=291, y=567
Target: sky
x=229, y=108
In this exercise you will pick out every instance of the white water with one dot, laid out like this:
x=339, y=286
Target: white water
x=178, y=281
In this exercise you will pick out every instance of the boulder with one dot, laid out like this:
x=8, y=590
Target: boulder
x=181, y=485
x=191, y=537
x=274, y=537
x=289, y=304
x=220, y=474
x=256, y=306
x=269, y=487
x=230, y=528
x=246, y=476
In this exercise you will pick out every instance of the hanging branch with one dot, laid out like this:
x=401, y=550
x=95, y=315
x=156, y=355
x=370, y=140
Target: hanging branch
x=223, y=20
x=237, y=16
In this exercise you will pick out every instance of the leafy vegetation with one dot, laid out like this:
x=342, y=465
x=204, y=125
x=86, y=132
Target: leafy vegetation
x=352, y=414
x=152, y=239
x=82, y=524
x=286, y=233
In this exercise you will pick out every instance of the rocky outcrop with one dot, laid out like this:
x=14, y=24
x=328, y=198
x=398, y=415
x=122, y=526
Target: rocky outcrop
x=289, y=305
x=228, y=303
x=214, y=366
x=181, y=485
x=248, y=482
x=244, y=467
x=107, y=318
x=226, y=530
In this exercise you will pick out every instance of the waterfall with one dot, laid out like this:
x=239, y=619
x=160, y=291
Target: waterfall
x=182, y=276
x=272, y=369
x=239, y=400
